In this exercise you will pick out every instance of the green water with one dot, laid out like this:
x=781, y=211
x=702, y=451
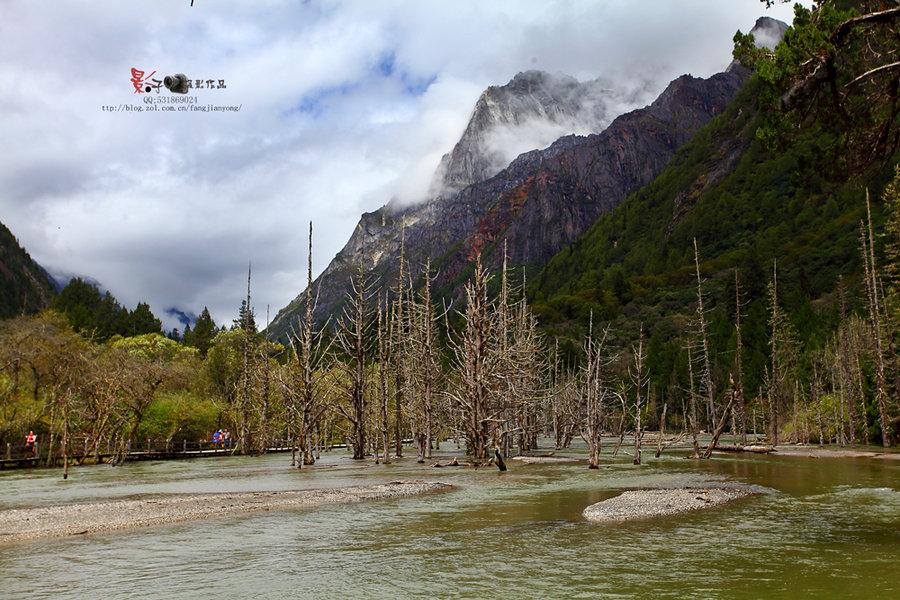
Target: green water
x=825, y=528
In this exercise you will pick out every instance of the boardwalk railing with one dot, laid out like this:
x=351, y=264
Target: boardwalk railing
x=83, y=450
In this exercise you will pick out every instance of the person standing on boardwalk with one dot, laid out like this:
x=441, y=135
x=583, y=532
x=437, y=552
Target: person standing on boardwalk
x=30, y=442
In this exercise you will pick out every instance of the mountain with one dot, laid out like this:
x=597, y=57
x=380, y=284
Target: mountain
x=531, y=111
x=544, y=199
x=25, y=287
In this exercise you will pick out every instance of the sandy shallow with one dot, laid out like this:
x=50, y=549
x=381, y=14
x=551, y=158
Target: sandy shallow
x=79, y=519
x=645, y=504
x=832, y=452
x=540, y=460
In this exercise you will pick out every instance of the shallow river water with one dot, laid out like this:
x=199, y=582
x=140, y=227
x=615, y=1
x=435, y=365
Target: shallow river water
x=825, y=528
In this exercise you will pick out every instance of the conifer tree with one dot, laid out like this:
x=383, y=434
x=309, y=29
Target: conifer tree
x=204, y=332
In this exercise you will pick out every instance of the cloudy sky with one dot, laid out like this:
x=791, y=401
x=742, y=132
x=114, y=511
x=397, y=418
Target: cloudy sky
x=343, y=106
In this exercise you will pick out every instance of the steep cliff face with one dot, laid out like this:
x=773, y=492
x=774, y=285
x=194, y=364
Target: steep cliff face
x=531, y=111
x=544, y=199
x=25, y=287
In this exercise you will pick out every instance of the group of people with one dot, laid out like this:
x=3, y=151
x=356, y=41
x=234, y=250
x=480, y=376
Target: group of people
x=221, y=438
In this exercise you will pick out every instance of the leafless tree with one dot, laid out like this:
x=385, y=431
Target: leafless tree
x=706, y=383
x=304, y=378
x=355, y=342
x=638, y=381
x=595, y=391
x=875, y=320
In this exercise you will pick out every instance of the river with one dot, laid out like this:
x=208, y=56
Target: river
x=826, y=528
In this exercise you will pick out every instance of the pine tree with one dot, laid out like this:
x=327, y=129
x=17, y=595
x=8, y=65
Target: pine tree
x=246, y=320
x=204, y=331
x=142, y=320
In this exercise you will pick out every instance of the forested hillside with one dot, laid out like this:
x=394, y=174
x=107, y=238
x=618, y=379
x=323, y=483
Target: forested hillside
x=776, y=184
x=25, y=287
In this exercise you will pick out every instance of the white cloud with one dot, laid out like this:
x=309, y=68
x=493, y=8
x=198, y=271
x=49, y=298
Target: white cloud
x=169, y=208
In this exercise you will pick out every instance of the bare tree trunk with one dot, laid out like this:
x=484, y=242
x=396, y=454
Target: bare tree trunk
x=384, y=360
x=399, y=355
x=740, y=407
x=693, y=405
x=65, y=437
x=662, y=431
x=875, y=319
x=353, y=339
x=638, y=380
x=775, y=374
x=706, y=375
x=721, y=426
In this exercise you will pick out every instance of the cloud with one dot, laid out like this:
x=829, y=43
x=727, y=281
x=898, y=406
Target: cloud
x=345, y=105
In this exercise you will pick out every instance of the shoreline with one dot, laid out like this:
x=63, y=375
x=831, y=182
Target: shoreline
x=815, y=451
x=24, y=524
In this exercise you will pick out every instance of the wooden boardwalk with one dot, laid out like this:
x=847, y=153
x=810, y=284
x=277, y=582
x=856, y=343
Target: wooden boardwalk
x=135, y=455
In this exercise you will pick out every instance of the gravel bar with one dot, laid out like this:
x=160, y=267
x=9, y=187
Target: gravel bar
x=18, y=525
x=645, y=504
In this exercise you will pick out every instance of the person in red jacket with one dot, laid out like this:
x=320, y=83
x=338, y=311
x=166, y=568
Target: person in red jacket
x=30, y=441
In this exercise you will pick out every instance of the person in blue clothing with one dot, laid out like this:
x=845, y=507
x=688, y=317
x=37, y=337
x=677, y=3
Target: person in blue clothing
x=217, y=438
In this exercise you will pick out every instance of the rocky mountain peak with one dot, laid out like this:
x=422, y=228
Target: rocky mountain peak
x=530, y=111
x=768, y=32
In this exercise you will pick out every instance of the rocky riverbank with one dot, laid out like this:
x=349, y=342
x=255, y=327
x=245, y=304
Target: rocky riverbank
x=644, y=504
x=80, y=519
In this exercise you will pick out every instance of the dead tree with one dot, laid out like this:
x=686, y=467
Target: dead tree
x=662, y=431
x=475, y=365
x=706, y=375
x=523, y=372
x=398, y=352
x=425, y=368
x=720, y=427
x=692, y=396
x=638, y=380
x=302, y=383
x=594, y=391
x=842, y=358
x=354, y=341
x=781, y=348
x=875, y=321
x=384, y=361
x=263, y=440
x=738, y=386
